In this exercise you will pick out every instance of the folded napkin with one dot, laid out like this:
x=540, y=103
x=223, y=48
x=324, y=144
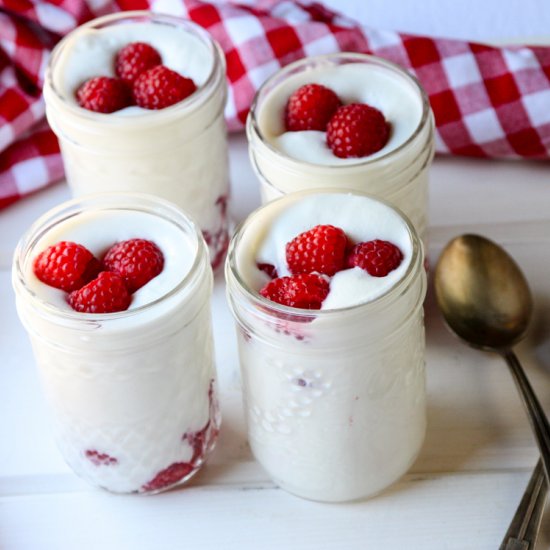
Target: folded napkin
x=488, y=101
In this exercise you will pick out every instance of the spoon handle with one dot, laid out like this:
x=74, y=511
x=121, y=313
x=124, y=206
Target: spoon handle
x=535, y=413
x=523, y=530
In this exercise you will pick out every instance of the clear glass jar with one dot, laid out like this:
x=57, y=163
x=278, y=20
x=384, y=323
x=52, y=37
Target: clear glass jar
x=178, y=153
x=399, y=176
x=133, y=394
x=334, y=399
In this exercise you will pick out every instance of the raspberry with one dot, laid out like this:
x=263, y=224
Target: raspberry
x=66, y=265
x=134, y=59
x=357, y=130
x=199, y=441
x=321, y=249
x=160, y=87
x=137, y=261
x=169, y=476
x=269, y=269
x=100, y=459
x=376, y=257
x=306, y=291
x=310, y=108
x=107, y=293
x=104, y=95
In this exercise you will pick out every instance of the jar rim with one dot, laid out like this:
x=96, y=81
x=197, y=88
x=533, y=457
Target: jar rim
x=188, y=104
x=139, y=202
x=253, y=126
x=294, y=313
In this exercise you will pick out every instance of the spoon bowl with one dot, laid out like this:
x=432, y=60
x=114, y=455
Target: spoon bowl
x=482, y=293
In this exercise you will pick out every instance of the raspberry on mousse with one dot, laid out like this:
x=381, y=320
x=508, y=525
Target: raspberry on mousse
x=134, y=59
x=310, y=108
x=137, y=261
x=105, y=294
x=376, y=257
x=103, y=94
x=321, y=249
x=306, y=290
x=160, y=87
x=357, y=130
x=66, y=265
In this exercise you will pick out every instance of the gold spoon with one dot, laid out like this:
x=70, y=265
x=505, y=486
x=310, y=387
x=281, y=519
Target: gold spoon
x=486, y=301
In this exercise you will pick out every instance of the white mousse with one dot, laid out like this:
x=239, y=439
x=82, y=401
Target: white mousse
x=353, y=83
x=92, y=53
x=98, y=231
x=361, y=218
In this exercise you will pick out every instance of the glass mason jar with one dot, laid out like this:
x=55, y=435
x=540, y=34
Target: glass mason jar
x=334, y=399
x=132, y=394
x=397, y=174
x=178, y=153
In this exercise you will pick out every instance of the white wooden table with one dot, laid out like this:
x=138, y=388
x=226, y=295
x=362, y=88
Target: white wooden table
x=461, y=492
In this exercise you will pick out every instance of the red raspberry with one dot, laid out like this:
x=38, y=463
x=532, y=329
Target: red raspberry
x=376, y=257
x=357, y=130
x=169, y=476
x=137, y=261
x=107, y=293
x=160, y=87
x=66, y=265
x=306, y=291
x=269, y=269
x=134, y=59
x=104, y=95
x=310, y=108
x=199, y=441
x=100, y=459
x=321, y=249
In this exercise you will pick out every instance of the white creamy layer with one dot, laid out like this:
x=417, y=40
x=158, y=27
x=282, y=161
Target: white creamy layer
x=361, y=218
x=91, y=52
x=98, y=231
x=390, y=93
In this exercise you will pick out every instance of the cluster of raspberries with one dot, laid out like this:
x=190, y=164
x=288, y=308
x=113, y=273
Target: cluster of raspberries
x=354, y=130
x=141, y=80
x=95, y=286
x=316, y=255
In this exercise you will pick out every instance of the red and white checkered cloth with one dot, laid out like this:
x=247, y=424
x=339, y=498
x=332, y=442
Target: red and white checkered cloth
x=488, y=102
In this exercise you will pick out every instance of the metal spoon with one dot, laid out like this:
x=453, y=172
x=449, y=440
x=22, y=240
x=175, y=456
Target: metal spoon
x=486, y=301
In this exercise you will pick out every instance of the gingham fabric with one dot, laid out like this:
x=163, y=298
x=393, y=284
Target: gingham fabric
x=488, y=102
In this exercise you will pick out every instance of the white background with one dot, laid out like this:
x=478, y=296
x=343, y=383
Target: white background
x=478, y=20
